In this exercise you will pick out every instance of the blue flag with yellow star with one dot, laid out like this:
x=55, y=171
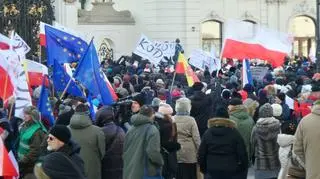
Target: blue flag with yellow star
x=61, y=79
x=89, y=74
x=44, y=106
x=63, y=47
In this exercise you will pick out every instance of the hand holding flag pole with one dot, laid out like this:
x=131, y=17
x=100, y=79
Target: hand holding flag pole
x=65, y=90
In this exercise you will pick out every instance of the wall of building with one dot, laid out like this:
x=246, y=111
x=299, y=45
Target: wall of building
x=171, y=19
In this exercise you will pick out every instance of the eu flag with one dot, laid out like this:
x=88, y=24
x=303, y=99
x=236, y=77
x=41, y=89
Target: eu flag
x=63, y=47
x=61, y=79
x=44, y=106
x=89, y=74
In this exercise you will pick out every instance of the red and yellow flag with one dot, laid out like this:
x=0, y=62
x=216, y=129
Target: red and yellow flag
x=184, y=67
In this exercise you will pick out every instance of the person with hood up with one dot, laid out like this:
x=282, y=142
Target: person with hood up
x=201, y=107
x=251, y=106
x=112, y=163
x=91, y=140
x=306, y=145
x=264, y=141
x=57, y=165
x=222, y=153
x=188, y=138
x=32, y=134
x=141, y=150
x=285, y=141
x=238, y=113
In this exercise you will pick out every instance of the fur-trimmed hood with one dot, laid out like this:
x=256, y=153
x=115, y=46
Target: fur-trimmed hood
x=268, y=128
x=221, y=122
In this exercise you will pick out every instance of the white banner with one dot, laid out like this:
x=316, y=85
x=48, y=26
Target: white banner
x=21, y=47
x=168, y=48
x=258, y=72
x=201, y=60
x=146, y=49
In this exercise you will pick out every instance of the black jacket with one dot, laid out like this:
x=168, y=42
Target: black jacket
x=222, y=148
x=201, y=109
x=72, y=149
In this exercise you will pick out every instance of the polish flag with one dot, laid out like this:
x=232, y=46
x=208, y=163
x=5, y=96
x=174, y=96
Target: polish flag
x=110, y=88
x=244, y=40
x=6, y=84
x=4, y=42
x=8, y=164
x=35, y=72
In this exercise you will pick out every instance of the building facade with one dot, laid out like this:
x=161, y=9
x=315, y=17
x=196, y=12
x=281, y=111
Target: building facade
x=117, y=25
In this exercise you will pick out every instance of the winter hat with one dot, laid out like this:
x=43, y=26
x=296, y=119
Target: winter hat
x=165, y=109
x=64, y=109
x=222, y=112
x=139, y=98
x=265, y=111
x=183, y=105
x=58, y=166
x=235, y=101
x=248, y=88
x=155, y=102
x=104, y=115
x=226, y=94
x=33, y=112
x=197, y=86
x=122, y=92
x=160, y=81
x=282, y=96
x=61, y=132
x=146, y=111
x=277, y=110
x=262, y=94
x=83, y=108
x=176, y=93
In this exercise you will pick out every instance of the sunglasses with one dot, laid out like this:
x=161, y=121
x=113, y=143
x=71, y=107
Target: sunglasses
x=51, y=138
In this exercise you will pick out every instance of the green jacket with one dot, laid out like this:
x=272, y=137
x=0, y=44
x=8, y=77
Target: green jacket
x=92, y=142
x=245, y=125
x=30, y=139
x=141, y=141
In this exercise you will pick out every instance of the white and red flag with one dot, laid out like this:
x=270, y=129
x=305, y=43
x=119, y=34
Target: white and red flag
x=8, y=164
x=244, y=40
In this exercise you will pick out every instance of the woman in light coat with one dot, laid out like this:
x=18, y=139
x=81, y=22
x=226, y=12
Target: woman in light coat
x=189, y=139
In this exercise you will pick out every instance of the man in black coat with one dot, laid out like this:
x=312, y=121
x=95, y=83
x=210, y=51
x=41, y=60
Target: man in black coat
x=59, y=140
x=222, y=152
x=201, y=107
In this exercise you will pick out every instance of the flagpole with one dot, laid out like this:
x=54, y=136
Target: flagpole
x=65, y=90
x=10, y=111
x=174, y=77
x=5, y=86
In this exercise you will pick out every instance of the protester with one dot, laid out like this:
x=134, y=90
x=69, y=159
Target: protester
x=168, y=138
x=188, y=138
x=201, y=107
x=306, y=145
x=112, y=163
x=91, y=140
x=32, y=134
x=244, y=123
x=57, y=165
x=264, y=140
x=222, y=153
x=59, y=140
x=141, y=154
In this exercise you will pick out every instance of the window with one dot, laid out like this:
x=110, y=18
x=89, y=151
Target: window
x=211, y=33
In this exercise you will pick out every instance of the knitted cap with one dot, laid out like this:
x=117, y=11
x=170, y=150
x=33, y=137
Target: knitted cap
x=183, y=105
x=235, y=101
x=33, y=112
x=160, y=81
x=165, y=109
x=222, y=112
x=265, y=111
x=139, y=98
x=277, y=110
x=61, y=132
x=197, y=86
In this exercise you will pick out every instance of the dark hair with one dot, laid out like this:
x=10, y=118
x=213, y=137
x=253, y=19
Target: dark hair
x=288, y=127
x=146, y=110
x=82, y=108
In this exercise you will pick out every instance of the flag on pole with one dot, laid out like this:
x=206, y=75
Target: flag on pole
x=7, y=84
x=35, y=72
x=63, y=47
x=89, y=74
x=44, y=106
x=246, y=73
x=8, y=164
x=243, y=40
x=6, y=42
x=183, y=67
x=61, y=79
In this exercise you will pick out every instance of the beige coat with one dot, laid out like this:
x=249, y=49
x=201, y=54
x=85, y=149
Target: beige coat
x=306, y=146
x=188, y=138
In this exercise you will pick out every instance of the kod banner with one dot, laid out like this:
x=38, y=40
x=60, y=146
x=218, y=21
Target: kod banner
x=168, y=48
x=148, y=50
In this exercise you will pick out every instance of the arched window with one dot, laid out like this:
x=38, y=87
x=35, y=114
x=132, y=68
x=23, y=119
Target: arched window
x=105, y=51
x=303, y=30
x=211, y=33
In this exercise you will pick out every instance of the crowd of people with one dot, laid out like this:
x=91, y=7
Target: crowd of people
x=216, y=129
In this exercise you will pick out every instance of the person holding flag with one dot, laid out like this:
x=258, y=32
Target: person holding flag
x=32, y=134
